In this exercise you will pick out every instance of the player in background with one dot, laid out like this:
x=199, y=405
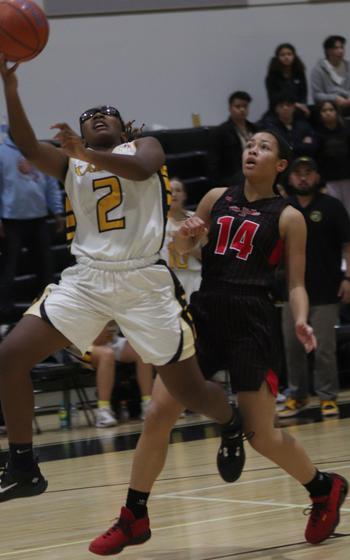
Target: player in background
x=186, y=267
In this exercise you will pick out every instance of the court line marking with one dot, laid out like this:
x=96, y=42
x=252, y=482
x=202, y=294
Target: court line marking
x=276, y=505
x=253, y=481
x=177, y=526
x=197, y=476
x=233, y=501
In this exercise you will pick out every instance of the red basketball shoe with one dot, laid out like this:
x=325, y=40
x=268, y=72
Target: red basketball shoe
x=126, y=532
x=325, y=511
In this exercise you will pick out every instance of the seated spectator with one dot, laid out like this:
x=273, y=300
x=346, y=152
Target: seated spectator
x=27, y=196
x=229, y=139
x=286, y=74
x=108, y=348
x=330, y=78
x=328, y=235
x=333, y=155
x=186, y=267
x=295, y=130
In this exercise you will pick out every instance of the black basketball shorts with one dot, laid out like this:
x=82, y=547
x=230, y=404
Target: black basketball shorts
x=237, y=330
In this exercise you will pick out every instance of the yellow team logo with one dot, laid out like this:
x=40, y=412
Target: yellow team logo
x=175, y=259
x=89, y=168
x=316, y=216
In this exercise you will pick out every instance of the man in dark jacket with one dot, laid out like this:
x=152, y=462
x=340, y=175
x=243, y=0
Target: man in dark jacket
x=229, y=139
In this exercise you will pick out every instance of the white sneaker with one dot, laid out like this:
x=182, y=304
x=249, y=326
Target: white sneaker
x=281, y=398
x=105, y=418
x=144, y=407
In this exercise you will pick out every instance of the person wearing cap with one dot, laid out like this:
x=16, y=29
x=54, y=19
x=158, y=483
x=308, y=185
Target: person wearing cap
x=328, y=239
x=330, y=78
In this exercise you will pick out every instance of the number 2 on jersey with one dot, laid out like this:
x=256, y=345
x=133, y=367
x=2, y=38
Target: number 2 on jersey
x=242, y=241
x=108, y=202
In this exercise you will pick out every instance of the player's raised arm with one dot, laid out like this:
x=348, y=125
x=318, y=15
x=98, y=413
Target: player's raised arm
x=192, y=230
x=44, y=156
x=148, y=158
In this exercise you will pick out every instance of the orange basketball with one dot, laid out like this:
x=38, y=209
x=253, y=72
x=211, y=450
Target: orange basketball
x=24, y=29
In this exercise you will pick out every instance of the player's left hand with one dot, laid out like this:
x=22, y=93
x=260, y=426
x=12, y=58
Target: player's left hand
x=192, y=227
x=305, y=335
x=344, y=291
x=8, y=74
x=71, y=143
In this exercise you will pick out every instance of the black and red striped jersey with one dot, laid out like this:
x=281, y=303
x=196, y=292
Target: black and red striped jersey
x=244, y=244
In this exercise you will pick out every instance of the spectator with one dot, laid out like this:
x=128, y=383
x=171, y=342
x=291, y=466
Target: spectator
x=330, y=78
x=186, y=267
x=295, y=130
x=328, y=234
x=26, y=197
x=108, y=348
x=229, y=140
x=286, y=74
x=333, y=154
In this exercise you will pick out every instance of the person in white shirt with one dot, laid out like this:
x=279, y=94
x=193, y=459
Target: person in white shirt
x=186, y=267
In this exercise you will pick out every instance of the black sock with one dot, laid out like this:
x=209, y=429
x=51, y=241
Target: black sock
x=137, y=502
x=320, y=485
x=21, y=456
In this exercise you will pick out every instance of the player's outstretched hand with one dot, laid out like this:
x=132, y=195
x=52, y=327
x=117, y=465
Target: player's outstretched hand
x=305, y=335
x=192, y=227
x=71, y=143
x=8, y=73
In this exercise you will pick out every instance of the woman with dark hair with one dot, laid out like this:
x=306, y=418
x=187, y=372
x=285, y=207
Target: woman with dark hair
x=247, y=225
x=333, y=155
x=286, y=73
x=118, y=195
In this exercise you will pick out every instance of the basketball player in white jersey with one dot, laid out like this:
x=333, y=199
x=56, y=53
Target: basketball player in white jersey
x=186, y=267
x=116, y=219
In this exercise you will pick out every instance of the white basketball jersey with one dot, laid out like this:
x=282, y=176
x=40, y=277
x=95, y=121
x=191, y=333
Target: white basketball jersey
x=174, y=260
x=114, y=219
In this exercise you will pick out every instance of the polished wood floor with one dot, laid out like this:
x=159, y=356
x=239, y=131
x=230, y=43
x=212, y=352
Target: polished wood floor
x=195, y=516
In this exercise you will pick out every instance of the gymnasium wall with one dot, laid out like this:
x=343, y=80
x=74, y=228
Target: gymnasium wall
x=160, y=67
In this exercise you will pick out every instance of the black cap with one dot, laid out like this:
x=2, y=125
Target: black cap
x=303, y=160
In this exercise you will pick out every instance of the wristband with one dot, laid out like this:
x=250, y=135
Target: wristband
x=347, y=278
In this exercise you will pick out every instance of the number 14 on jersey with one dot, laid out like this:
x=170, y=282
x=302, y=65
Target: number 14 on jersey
x=242, y=241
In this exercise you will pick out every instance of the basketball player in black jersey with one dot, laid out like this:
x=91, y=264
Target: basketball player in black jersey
x=247, y=228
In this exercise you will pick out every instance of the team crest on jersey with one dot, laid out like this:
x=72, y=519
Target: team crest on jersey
x=89, y=168
x=243, y=212
x=316, y=216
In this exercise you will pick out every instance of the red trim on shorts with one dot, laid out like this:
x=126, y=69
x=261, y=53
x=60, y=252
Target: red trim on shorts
x=277, y=253
x=272, y=381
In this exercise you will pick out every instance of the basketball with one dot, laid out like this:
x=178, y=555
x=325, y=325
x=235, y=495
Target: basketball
x=24, y=29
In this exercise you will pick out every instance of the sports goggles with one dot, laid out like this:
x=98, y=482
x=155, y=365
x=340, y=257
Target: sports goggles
x=104, y=110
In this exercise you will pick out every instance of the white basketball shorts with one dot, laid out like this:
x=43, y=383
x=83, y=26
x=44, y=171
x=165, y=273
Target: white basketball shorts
x=147, y=303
